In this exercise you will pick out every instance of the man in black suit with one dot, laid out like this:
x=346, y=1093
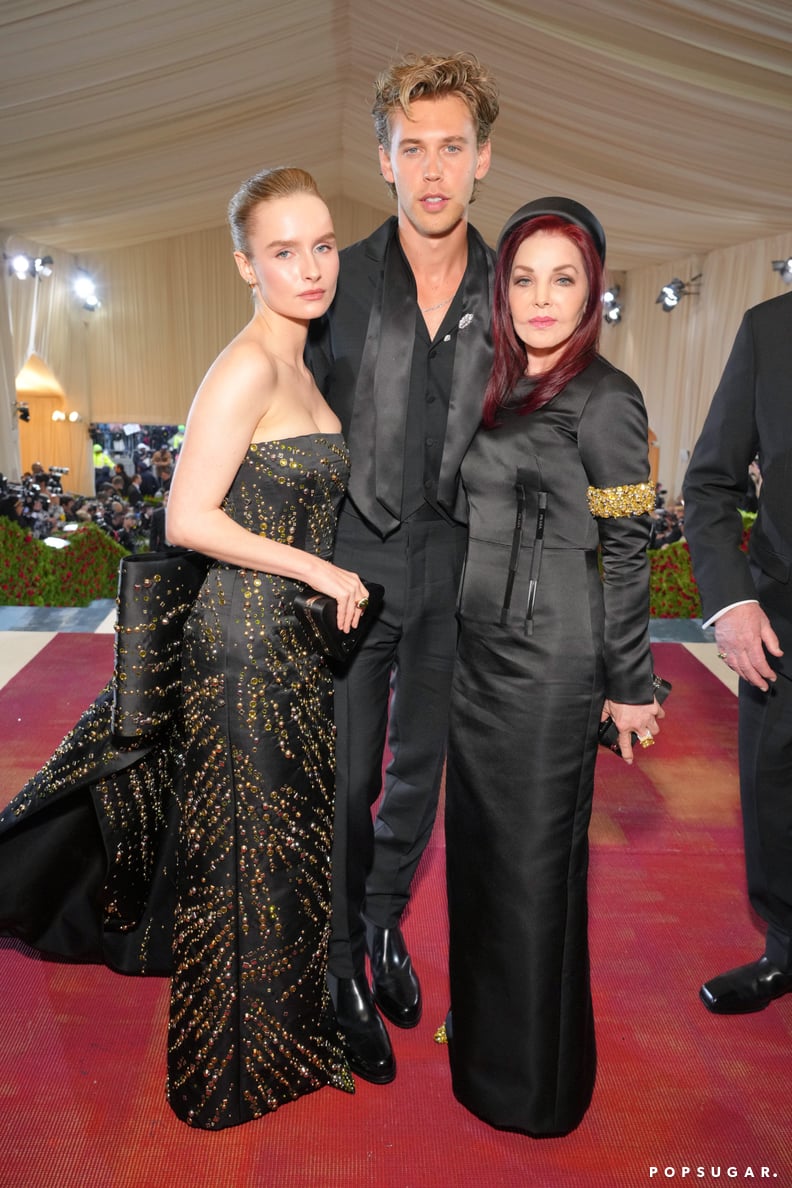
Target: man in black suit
x=749, y=600
x=404, y=361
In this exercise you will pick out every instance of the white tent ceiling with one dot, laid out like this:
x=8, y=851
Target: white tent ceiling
x=122, y=122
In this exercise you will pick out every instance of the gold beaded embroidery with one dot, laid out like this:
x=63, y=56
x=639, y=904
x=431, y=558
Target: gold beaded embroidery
x=245, y=773
x=251, y=1023
x=133, y=787
x=633, y=500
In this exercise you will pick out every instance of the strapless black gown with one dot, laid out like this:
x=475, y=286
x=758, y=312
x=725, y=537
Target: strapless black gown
x=205, y=853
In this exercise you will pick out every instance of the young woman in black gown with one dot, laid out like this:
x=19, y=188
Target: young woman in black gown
x=261, y=473
x=557, y=477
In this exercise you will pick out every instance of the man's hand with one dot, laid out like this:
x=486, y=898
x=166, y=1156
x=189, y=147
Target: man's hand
x=740, y=634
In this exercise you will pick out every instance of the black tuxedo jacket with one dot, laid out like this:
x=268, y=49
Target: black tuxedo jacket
x=751, y=413
x=360, y=356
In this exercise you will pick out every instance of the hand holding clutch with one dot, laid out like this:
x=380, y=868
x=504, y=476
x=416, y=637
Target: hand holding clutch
x=608, y=731
x=318, y=614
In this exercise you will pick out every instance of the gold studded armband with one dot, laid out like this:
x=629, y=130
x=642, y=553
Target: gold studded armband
x=633, y=500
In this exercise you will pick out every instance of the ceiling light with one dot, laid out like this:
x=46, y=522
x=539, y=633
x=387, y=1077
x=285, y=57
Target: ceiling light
x=784, y=267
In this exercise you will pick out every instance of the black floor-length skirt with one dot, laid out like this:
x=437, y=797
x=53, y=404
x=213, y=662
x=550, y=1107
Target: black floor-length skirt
x=519, y=788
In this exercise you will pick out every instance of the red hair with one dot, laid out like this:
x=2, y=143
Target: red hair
x=510, y=354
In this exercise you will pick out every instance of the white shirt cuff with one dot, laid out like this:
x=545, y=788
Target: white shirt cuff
x=723, y=610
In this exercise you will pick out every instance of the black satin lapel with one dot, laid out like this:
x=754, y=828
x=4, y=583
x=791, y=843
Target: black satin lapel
x=377, y=435
x=392, y=379
x=363, y=421
x=472, y=364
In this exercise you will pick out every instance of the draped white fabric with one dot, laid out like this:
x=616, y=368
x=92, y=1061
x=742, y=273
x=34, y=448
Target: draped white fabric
x=677, y=357
x=126, y=127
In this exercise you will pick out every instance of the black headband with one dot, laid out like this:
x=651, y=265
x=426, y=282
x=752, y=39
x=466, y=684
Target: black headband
x=562, y=208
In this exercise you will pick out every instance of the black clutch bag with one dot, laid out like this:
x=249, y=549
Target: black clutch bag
x=318, y=614
x=609, y=735
x=155, y=594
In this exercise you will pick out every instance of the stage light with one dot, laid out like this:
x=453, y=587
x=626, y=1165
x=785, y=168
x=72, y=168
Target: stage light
x=671, y=294
x=85, y=289
x=611, y=306
x=22, y=411
x=22, y=265
x=784, y=268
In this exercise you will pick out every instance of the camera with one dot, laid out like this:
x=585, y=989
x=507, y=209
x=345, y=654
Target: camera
x=54, y=484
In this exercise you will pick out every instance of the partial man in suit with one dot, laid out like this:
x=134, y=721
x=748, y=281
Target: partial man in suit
x=158, y=540
x=404, y=361
x=749, y=601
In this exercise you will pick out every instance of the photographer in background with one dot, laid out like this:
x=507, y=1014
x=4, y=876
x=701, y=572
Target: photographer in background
x=11, y=508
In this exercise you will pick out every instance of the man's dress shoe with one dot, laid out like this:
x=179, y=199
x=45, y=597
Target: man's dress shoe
x=745, y=989
x=366, y=1043
x=397, y=991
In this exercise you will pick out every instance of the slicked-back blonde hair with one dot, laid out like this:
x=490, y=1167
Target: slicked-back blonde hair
x=268, y=184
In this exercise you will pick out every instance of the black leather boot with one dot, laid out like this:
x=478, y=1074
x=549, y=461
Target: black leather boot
x=397, y=991
x=366, y=1043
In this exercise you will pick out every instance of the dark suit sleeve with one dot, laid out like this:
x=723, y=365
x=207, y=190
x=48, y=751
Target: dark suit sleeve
x=157, y=533
x=715, y=482
x=318, y=353
x=613, y=438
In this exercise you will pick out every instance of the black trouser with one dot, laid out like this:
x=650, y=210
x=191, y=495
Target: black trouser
x=765, y=746
x=396, y=689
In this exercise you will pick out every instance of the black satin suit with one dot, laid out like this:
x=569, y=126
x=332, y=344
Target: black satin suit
x=400, y=525
x=538, y=652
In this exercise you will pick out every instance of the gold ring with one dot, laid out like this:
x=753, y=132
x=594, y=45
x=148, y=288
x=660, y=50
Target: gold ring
x=721, y=655
x=646, y=742
x=362, y=604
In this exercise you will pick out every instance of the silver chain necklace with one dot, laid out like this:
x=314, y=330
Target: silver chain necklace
x=440, y=304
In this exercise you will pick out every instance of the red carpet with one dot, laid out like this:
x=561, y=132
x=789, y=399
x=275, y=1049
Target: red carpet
x=82, y=1050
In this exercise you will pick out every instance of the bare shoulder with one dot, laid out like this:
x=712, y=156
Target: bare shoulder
x=247, y=361
x=243, y=379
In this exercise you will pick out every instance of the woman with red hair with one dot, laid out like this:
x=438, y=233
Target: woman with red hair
x=556, y=478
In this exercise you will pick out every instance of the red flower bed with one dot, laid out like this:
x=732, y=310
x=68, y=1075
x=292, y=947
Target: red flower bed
x=673, y=593
x=35, y=574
